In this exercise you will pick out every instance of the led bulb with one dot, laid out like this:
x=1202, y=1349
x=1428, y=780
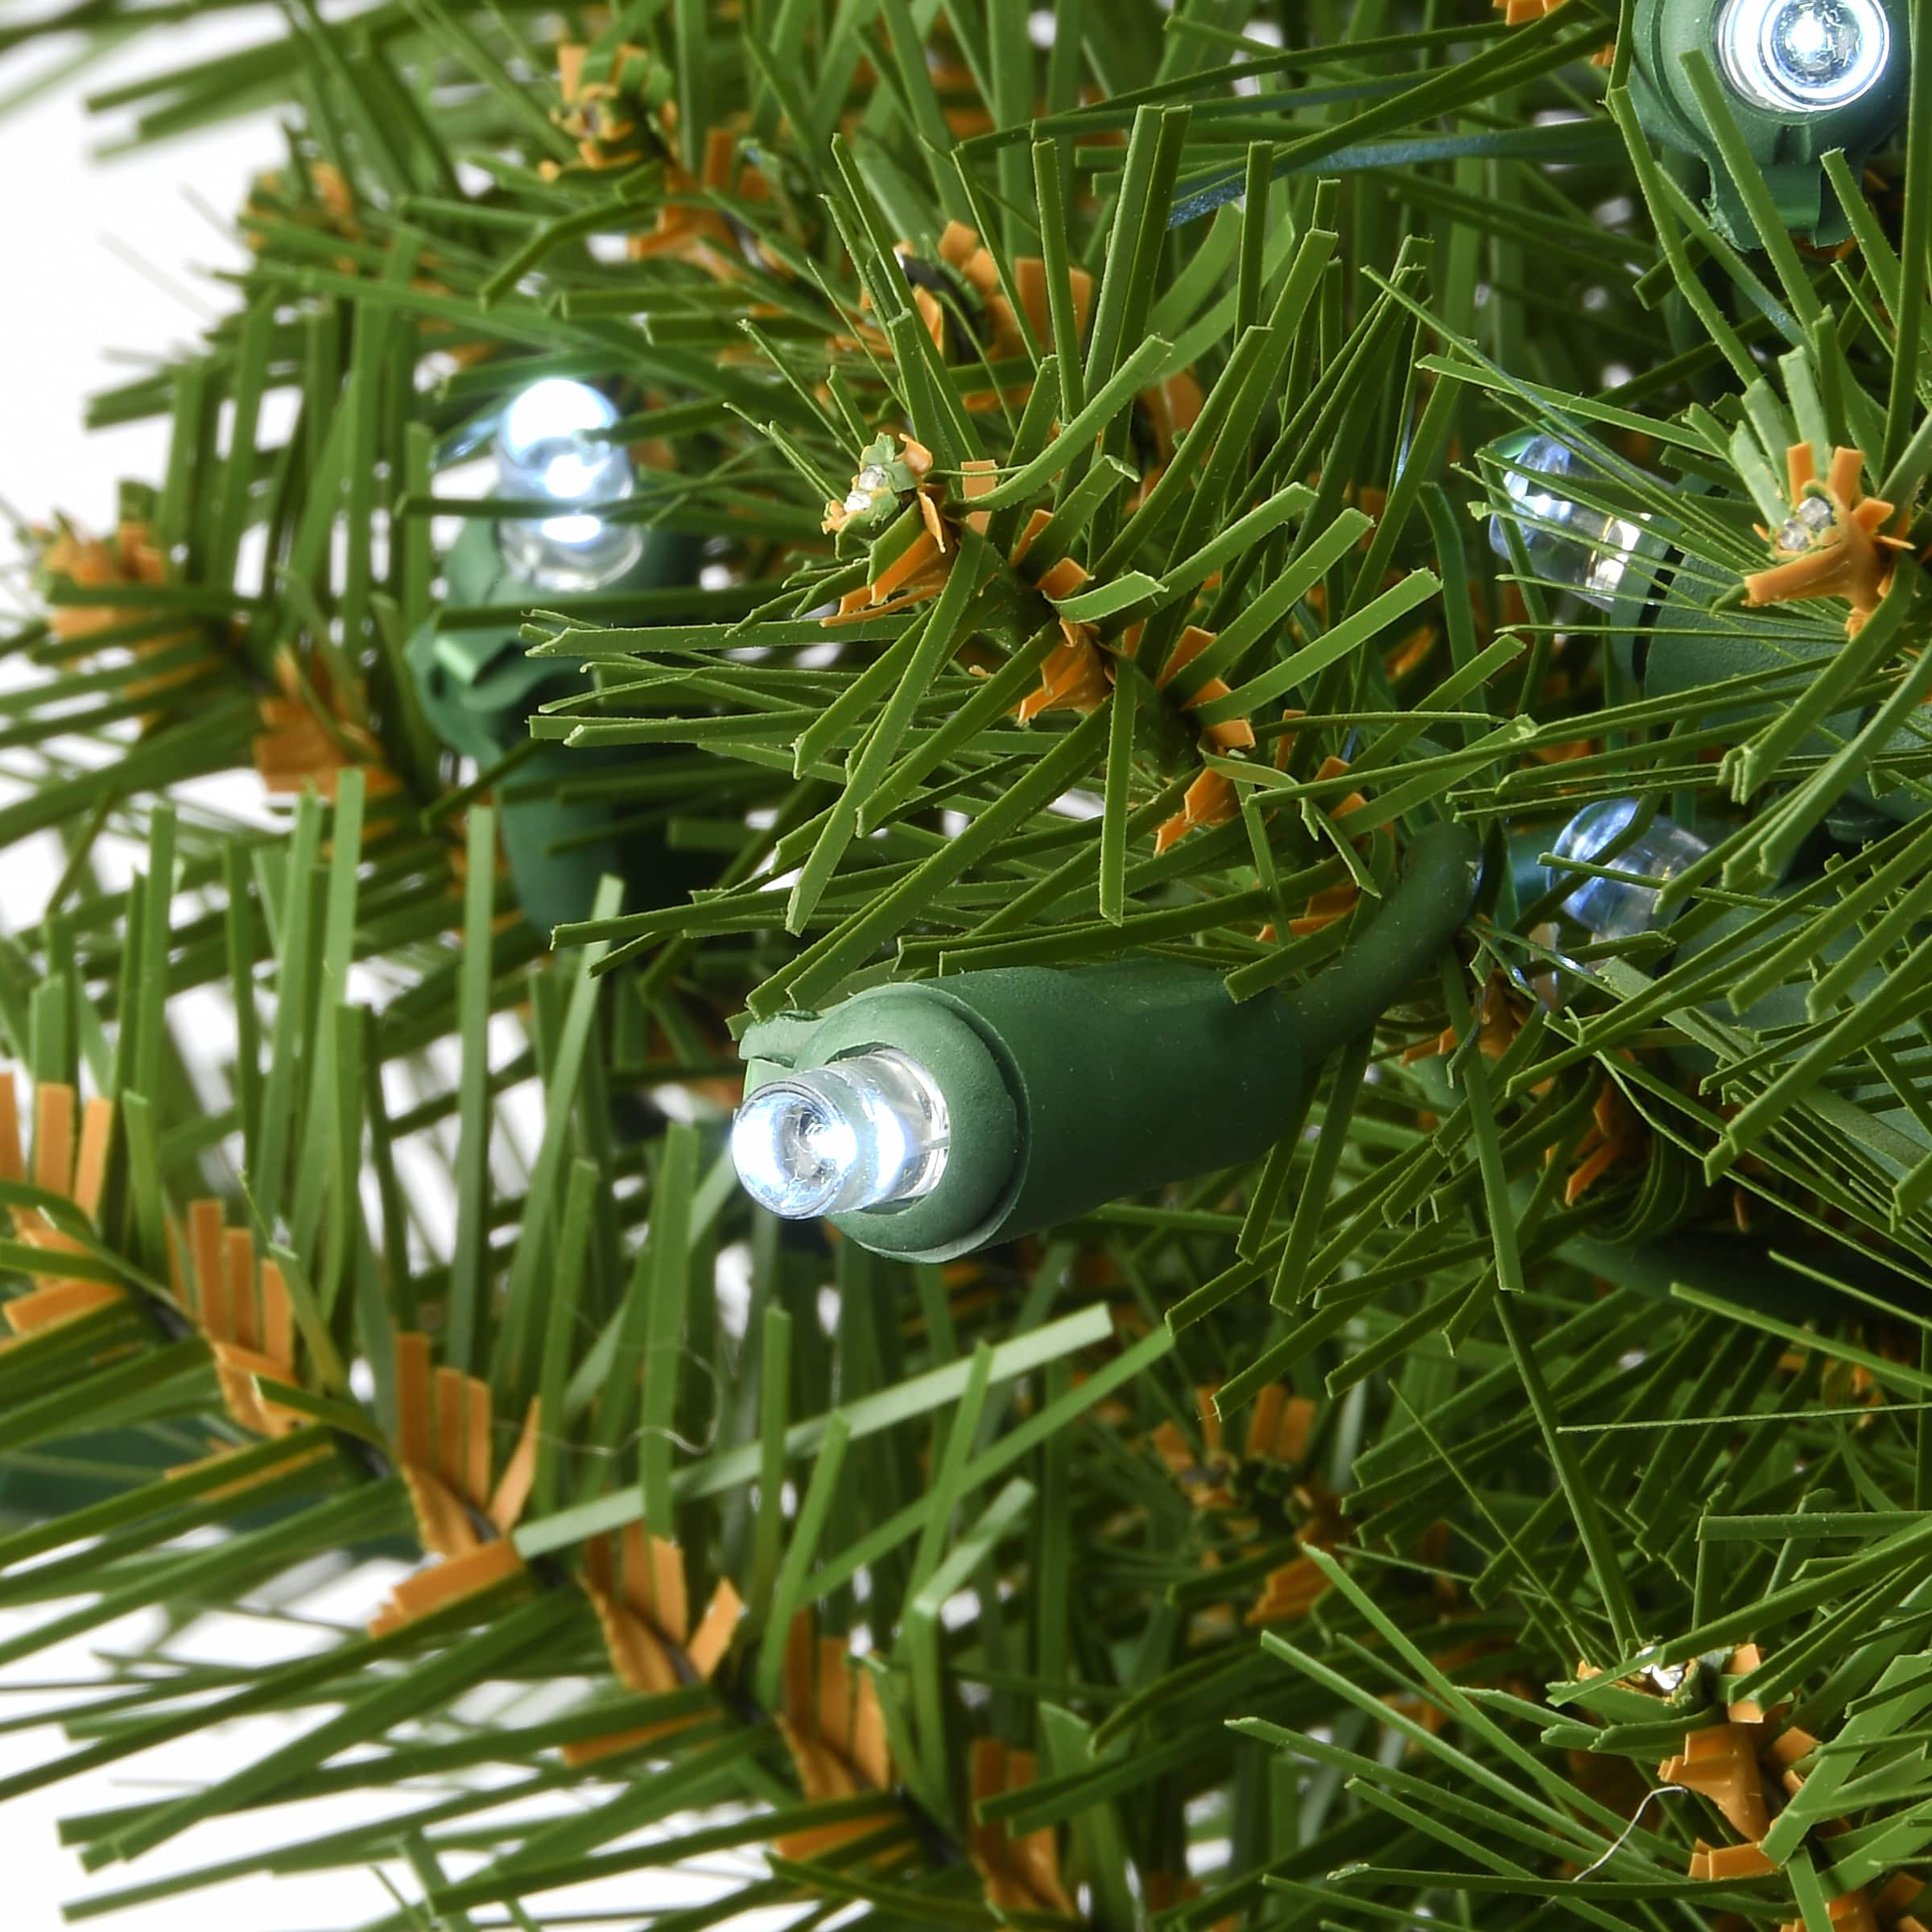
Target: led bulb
x=867, y=1131
x=1612, y=908
x=1804, y=55
x=1568, y=543
x=551, y=443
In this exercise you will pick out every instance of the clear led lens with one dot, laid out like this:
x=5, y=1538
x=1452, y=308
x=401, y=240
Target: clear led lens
x=1810, y=56
x=1610, y=908
x=550, y=443
x=1568, y=542
x=869, y=1131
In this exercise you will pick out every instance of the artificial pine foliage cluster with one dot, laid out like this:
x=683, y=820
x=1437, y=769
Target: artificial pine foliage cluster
x=1107, y=480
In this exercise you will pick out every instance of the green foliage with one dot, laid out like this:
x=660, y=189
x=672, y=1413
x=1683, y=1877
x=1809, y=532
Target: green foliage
x=1508, y=1465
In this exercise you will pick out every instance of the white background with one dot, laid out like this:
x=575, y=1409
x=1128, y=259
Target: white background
x=74, y=308
x=78, y=312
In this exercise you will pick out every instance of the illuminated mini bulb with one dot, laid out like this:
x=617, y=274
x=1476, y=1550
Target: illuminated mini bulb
x=551, y=443
x=1612, y=908
x=1568, y=543
x=1806, y=528
x=1807, y=56
x=870, y=483
x=869, y=1130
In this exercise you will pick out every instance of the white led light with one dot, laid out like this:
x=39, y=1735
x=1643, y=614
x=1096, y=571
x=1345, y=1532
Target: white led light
x=1804, y=55
x=1568, y=543
x=869, y=1131
x=1615, y=909
x=551, y=443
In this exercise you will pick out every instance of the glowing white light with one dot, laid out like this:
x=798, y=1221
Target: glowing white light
x=1568, y=543
x=1807, y=526
x=553, y=442
x=1614, y=909
x=869, y=1131
x=1806, y=56
x=866, y=487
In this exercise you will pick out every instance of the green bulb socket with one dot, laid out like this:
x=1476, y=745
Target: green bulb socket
x=1801, y=77
x=1694, y=635
x=1061, y=1089
x=479, y=689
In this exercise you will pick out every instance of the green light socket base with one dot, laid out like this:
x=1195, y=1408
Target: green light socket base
x=1697, y=644
x=1788, y=146
x=1067, y=1088
x=1783, y=1009
x=479, y=689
